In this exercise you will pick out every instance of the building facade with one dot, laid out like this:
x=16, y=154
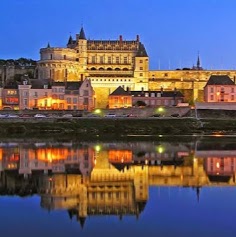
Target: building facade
x=124, y=99
x=108, y=63
x=220, y=89
x=44, y=95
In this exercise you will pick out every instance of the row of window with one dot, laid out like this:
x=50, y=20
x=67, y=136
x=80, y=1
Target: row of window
x=118, y=80
x=110, y=60
x=222, y=98
x=221, y=89
x=109, y=195
x=113, y=47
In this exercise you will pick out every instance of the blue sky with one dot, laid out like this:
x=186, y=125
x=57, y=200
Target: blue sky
x=173, y=31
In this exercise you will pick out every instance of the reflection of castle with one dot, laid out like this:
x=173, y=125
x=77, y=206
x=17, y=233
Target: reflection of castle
x=110, y=179
x=220, y=160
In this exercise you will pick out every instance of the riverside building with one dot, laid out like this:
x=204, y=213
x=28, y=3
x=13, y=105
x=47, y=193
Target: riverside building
x=113, y=63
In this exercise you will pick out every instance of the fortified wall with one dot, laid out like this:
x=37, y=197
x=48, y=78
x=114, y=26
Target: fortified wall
x=190, y=82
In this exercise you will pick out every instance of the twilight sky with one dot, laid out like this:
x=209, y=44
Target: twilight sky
x=173, y=31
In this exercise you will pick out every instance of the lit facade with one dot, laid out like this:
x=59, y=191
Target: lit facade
x=108, y=63
x=124, y=99
x=43, y=95
x=220, y=89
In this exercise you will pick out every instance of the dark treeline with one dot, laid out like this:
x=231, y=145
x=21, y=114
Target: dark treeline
x=18, y=62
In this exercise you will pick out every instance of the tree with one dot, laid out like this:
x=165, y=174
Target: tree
x=140, y=103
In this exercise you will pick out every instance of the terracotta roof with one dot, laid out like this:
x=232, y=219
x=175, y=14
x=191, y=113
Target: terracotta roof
x=220, y=80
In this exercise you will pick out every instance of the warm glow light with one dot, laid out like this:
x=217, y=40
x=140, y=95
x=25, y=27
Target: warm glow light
x=160, y=109
x=218, y=165
x=218, y=93
x=97, y=111
x=160, y=149
x=97, y=148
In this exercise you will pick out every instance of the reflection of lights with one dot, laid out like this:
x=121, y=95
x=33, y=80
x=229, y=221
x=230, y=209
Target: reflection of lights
x=97, y=148
x=217, y=135
x=218, y=165
x=146, y=162
x=95, y=161
x=122, y=160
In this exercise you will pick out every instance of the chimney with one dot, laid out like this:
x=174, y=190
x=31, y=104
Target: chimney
x=175, y=91
x=137, y=38
x=161, y=90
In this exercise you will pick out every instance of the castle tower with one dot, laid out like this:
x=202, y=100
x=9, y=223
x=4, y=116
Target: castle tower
x=82, y=52
x=141, y=67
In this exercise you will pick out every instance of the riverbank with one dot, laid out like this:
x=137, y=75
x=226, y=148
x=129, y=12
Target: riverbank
x=103, y=127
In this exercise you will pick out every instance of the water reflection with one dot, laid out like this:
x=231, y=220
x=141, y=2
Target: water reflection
x=111, y=178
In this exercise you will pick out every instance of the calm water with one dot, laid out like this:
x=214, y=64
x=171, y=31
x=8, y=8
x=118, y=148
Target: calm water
x=149, y=188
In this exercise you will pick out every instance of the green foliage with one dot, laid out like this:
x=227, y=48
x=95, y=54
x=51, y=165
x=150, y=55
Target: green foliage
x=18, y=62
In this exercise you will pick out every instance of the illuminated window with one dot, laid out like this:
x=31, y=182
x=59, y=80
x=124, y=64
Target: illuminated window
x=141, y=68
x=212, y=89
x=117, y=60
x=125, y=60
x=109, y=60
x=11, y=92
x=93, y=59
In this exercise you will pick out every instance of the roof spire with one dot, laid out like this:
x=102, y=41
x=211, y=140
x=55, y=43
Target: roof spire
x=70, y=40
x=48, y=46
x=198, y=61
x=82, y=34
